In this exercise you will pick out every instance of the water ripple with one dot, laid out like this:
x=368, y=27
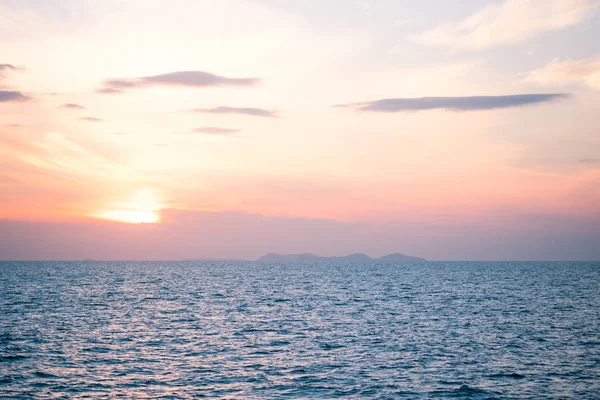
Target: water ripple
x=225, y=330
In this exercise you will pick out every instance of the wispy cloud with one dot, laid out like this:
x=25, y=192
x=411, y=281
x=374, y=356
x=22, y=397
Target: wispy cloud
x=589, y=161
x=255, y=112
x=212, y=130
x=57, y=156
x=91, y=119
x=5, y=179
x=586, y=71
x=508, y=22
x=197, y=78
x=180, y=78
x=12, y=96
x=119, y=133
x=73, y=106
x=4, y=68
x=469, y=103
x=107, y=90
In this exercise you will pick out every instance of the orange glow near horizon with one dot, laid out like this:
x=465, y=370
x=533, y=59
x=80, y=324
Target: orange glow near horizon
x=142, y=208
x=187, y=117
x=130, y=217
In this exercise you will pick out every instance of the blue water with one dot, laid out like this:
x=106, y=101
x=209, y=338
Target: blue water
x=225, y=330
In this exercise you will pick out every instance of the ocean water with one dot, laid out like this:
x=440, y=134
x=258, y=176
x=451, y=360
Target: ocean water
x=246, y=330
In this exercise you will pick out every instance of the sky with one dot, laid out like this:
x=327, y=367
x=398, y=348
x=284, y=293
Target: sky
x=145, y=129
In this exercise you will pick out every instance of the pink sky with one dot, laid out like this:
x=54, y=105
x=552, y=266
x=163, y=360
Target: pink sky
x=145, y=129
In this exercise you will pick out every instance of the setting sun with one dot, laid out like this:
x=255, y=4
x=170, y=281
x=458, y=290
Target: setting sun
x=131, y=217
x=142, y=208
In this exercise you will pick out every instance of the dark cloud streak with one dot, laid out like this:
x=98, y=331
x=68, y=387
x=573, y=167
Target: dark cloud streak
x=468, y=103
x=255, y=112
x=73, y=106
x=109, y=91
x=198, y=79
x=8, y=67
x=12, y=96
x=179, y=78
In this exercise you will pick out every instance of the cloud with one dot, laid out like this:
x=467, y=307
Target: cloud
x=469, y=103
x=109, y=91
x=10, y=95
x=180, y=78
x=91, y=119
x=14, y=125
x=73, y=106
x=586, y=71
x=198, y=79
x=212, y=130
x=122, y=83
x=119, y=133
x=508, y=22
x=8, y=67
x=589, y=161
x=255, y=112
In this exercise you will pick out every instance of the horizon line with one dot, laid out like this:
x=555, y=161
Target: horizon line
x=257, y=261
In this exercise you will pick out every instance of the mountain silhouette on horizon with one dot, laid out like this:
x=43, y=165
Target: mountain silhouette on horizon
x=351, y=258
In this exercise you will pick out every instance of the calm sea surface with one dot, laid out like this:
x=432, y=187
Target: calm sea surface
x=246, y=330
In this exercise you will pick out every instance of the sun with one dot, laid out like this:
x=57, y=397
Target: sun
x=130, y=217
x=142, y=208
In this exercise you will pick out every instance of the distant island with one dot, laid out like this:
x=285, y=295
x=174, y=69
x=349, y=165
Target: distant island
x=351, y=258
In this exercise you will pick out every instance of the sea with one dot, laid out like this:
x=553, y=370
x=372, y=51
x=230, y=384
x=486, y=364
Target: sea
x=245, y=330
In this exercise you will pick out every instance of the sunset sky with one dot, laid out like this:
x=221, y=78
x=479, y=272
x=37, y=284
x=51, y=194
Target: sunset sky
x=450, y=130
